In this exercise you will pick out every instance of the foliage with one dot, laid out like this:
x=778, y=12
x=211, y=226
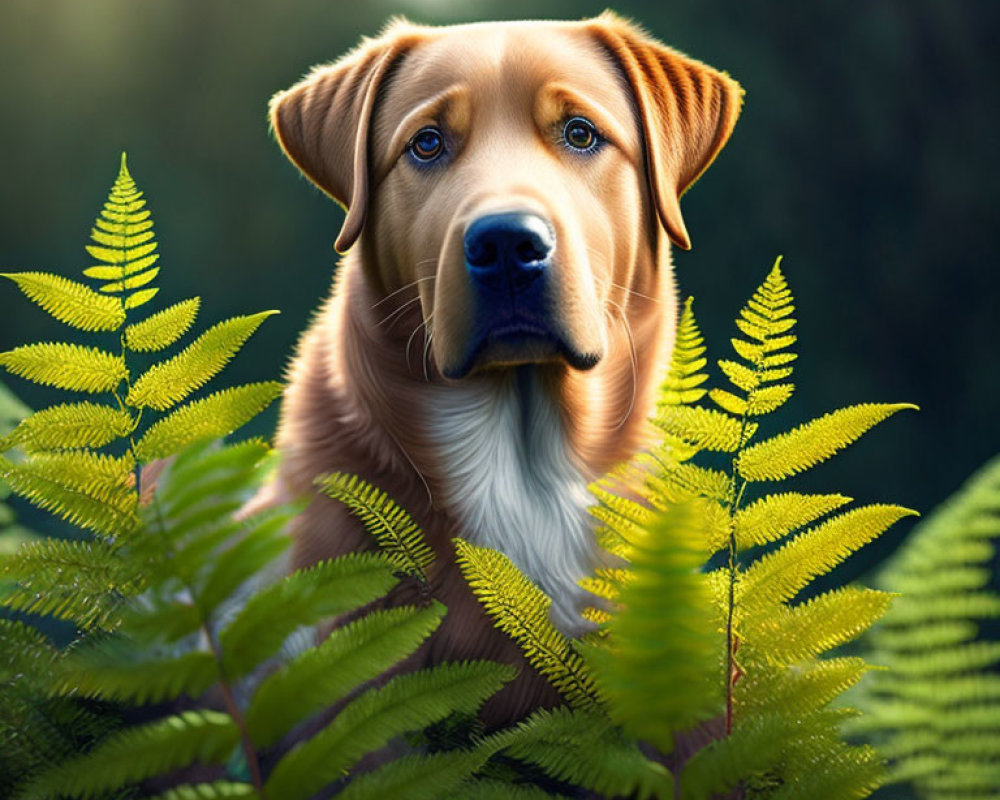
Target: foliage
x=935, y=712
x=722, y=670
x=66, y=471
x=210, y=621
x=82, y=460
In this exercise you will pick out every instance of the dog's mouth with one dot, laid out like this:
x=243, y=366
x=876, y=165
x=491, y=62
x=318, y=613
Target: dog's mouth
x=519, y=342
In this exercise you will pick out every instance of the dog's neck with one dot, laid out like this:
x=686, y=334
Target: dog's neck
x=505, y=455
x=513, y=482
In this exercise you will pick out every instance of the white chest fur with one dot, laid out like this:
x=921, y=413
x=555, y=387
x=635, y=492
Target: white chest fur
x=513, y=484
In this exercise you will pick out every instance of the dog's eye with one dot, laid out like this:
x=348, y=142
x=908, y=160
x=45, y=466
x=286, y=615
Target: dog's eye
x=427, y=145
x=580, y=134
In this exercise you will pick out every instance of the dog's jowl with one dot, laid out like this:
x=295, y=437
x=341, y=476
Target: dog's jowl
x=505, y=306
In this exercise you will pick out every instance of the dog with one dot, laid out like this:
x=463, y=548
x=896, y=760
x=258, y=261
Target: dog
x=505, y=307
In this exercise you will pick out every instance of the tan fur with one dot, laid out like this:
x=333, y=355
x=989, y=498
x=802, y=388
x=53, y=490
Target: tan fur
x=399, y=315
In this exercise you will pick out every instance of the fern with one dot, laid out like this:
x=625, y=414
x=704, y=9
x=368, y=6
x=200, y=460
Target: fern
x=723, y=671
x=209, y=615
x=397, y=534
x=124, y=243
x=935, y=712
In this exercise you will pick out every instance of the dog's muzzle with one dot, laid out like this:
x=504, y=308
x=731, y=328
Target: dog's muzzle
x=508, y=258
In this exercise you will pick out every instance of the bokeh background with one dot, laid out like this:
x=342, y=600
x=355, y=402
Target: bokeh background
x=866, y=154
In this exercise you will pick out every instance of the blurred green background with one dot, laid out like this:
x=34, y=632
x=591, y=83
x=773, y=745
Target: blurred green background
x=866, y=154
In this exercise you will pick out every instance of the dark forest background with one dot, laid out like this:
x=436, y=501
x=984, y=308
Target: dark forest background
x=866, y=154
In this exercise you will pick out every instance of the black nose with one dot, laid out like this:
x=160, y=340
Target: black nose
x=511, y=247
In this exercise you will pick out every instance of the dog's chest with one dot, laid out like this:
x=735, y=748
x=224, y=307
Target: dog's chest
x=511, y=482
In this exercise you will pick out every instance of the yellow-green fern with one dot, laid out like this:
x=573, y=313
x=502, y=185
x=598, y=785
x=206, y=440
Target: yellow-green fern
x=66, y=471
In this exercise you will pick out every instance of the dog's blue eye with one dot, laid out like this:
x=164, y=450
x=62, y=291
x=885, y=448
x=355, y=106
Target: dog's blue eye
x=580, y=134
x=427, y=145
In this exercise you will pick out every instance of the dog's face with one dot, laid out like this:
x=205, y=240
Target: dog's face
x=515, y=175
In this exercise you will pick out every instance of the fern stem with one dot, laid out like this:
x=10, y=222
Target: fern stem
x=232, y=707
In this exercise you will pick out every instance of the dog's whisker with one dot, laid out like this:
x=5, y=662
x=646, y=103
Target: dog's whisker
x=408, y=285
x=409, y=342
x=634, y=360
x=427, y=349
x=398, y=311
x=633, y=291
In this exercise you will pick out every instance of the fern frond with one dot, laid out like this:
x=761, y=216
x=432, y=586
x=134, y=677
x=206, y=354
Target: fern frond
x=70, y=425
x=775, y=516
x=69, y=301
x=139, y=298
x=665, y=619
x=71, y=494
x=261, y=541
x=352, y=655
x=797, y=692
x=82, y=581
x=487, y=789
x=685, y=375
x=122, y=235
x=703, y=428
x=212, y=417
x=784, y=636
x=66, y=366
x=585, y=749
x=303, y=598
x=115, y=670
x=163, y=328
x=217, y=790
x=777, y=577
x=405, y=703
x=169, y=382
x=807, y=445
x=420, y=777
x=400, y=538
x=205, y=737
x=521, y=610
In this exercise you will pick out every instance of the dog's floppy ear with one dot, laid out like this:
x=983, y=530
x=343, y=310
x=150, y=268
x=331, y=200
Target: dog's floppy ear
x=322, y=123
x=687, y=112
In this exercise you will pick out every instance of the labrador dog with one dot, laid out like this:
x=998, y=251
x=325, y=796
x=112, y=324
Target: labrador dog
x=505, y=307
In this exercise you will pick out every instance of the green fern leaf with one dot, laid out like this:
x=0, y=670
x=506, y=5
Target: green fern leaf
x=66, y=366
x=775, y=516
x=703, y=428
x=807, y=445
x=665, y=619
x=116, y=671
x=163, y=328
x=352, y=655
x=262, y=540
x=217, y=790
x=583, y=748
x=131, y=283
x=71, y=494
x=211, y=417
x=405, y=703
x=69, y=301
x=141, y=752
x=303, y=598
x=798, y=692
x=521, y=610
x=71, y=425
x=169, y=382
x=685, y=376
x=419, y=777
x=400, y=538
x=139, y=298
x=784, y=636
x=486, y=789
x=82, y=581
x=779, y=576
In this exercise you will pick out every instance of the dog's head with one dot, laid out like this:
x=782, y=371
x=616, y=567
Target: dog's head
x=516, y=175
